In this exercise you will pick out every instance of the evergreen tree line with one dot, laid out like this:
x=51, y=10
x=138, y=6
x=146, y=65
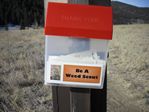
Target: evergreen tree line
x=22, y=12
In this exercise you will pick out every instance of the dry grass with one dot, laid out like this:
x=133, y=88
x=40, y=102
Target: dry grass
x=21, y=72
x=22, y=63
x=128, y=75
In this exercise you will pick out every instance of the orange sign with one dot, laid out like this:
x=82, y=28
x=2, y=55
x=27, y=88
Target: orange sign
x=82, y=74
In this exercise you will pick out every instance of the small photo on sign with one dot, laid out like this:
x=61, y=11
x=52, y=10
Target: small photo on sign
x=55, y=72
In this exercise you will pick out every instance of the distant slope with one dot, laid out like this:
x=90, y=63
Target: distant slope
x=127, y=14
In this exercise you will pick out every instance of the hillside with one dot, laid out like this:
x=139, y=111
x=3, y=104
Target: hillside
x=127, y=14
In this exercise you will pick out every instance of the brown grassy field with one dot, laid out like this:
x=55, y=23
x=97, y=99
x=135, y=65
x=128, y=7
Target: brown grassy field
x=22, y=71
x=128, y=69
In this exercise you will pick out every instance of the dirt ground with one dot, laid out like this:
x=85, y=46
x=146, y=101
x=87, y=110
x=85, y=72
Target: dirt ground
x=22, y=63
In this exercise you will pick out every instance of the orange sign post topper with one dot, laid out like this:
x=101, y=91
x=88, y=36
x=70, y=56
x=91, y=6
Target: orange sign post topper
x=82, y=74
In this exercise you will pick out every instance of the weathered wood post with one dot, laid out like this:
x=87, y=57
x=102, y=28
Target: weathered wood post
x=79, y=98
x=66, y=99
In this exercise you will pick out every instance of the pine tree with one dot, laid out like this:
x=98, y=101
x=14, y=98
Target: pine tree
x=21, y=12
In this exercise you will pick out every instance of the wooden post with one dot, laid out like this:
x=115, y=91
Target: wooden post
x=61, y=95
x=67, y=99
x=100, y=2
x=80, y=100
x=99, y=97
x=46, y=4
x=78, y=1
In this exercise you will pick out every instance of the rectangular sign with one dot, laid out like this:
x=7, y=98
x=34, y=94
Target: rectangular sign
x=84, y=74
x=60, y=71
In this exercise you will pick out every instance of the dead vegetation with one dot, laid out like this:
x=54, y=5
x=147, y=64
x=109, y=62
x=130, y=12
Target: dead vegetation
x=128, y=69
x=21, y=72
x=22, y=63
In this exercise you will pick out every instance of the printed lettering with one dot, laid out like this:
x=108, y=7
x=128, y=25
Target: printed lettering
x=86, y=71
